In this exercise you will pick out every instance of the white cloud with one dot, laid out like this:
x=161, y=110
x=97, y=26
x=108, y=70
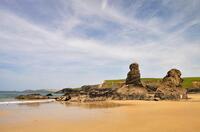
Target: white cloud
x=61, y=53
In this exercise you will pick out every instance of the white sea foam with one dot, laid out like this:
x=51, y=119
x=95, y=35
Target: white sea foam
x=27, y=101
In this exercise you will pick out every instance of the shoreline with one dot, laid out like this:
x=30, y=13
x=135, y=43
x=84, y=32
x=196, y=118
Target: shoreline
x=26, y=101
x=126, y=116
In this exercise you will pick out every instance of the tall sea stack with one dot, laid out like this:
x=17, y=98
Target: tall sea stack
x=133, y=76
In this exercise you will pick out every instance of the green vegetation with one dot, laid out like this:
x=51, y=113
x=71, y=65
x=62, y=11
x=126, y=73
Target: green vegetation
x=187, y=83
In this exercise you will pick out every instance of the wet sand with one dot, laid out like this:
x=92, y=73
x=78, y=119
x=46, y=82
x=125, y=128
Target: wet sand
x=115, y=116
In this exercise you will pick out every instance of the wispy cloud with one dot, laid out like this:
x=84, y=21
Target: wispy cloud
x=71, y=43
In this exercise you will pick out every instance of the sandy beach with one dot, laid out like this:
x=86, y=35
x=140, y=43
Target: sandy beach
x=115, y=116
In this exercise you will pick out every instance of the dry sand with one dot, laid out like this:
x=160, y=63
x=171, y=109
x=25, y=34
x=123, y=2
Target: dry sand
x=130, y=116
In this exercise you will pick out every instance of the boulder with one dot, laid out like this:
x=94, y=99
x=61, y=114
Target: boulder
x=49, y=94
x=31, y=96
x=170, y=87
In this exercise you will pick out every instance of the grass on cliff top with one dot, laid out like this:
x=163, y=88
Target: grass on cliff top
x=187, y=83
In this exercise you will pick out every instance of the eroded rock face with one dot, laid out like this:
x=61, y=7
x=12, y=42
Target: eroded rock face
x=173, y=78
x=170, y=87
x=133, y=76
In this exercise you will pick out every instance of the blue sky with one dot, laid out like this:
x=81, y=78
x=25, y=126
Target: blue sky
x=68, y=43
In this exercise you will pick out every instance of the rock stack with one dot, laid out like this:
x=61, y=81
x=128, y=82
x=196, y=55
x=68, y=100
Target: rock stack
x=133, y=88
x=133, y=76
x=170, y=87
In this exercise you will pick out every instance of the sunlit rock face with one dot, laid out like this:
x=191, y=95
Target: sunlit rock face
x=173, y=78
x=170, y=87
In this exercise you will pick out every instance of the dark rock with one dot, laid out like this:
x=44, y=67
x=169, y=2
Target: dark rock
x=133, y=76
x=32, y=96
x=193, y=90
x=156, y=99
x=65, y=90
x=101, y=92
x=94, y=94
x=170, y=87
x=151, y=88
x=87, y=88
x=49, y=94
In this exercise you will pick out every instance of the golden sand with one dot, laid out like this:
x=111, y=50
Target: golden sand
x=129, y=116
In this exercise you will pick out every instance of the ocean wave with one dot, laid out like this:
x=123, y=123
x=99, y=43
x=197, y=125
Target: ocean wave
x=27, y=101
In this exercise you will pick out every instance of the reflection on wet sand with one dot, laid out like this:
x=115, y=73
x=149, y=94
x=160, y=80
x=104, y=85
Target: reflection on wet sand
x=94, y=105
x=30, y=104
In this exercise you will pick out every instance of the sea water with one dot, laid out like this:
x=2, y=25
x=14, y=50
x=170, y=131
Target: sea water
x=8, y=97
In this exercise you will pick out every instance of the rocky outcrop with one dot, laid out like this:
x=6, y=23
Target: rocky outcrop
x=128, y=92
x=63, y=98
x=133, y=76
x=170, y=87
x=31, y=96
x=193, y=90
x=87, y=88
x=49, y=94
x=88, y=95
x=101, y=92
x=66, y=90
x=196, y=84
x=133, y=88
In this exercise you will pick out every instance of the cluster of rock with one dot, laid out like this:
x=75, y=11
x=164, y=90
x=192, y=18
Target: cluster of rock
x=32, y=96
x=168, y=89
x=133, y=89
x=88, y=94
